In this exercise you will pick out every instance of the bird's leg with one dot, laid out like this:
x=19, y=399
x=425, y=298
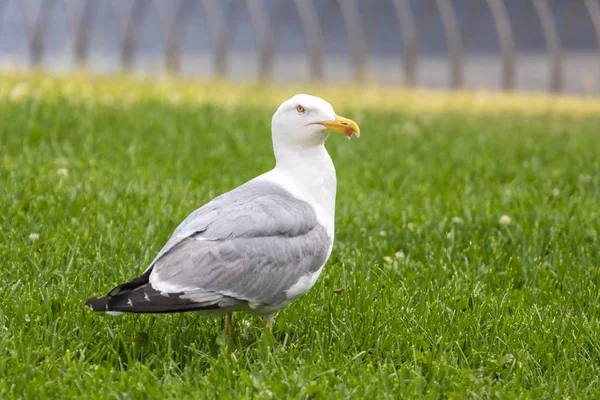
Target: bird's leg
x=269, y=322
x=228, y=325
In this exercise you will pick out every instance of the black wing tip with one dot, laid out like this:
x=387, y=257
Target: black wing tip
x=97, y=303
x=102, y=303
x=137, y=296
x=154, y=304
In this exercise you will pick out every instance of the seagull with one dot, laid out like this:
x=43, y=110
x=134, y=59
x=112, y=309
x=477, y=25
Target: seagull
x=257, y=247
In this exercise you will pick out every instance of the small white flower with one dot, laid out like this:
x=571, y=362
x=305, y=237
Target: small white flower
x=38, y=94
x=458, y=220
x=509, y=358
x=388, y=259
x=63, y=162
x=19, y=91
x=62, y=172
x=175, y=99
x=555, y=192
x=69, y=88
x=505, y=220
x=34, y=236
x=130, y=99
x=382, y=233
x=47, y=83
x=87, y=88
x=246, y=323
x=585, y=178
x=108, y=100
x=399, y=255
x=410, y=128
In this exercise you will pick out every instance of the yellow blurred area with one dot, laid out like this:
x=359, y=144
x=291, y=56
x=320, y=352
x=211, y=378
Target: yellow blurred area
x=129, y=89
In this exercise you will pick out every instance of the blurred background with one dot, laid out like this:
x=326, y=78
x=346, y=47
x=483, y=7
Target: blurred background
x=526, y=45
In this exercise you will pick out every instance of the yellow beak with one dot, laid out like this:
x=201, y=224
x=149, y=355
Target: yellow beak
x=342, y=125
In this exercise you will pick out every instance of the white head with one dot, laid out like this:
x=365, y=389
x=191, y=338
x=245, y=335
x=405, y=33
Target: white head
x=305, y=121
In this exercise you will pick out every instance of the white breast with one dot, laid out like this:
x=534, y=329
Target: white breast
x=309, y=177
x=303, y=285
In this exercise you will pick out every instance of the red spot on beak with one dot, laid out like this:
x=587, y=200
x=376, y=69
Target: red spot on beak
x=349, y=132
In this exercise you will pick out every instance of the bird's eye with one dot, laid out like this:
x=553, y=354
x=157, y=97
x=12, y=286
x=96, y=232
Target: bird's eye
x=300, y=109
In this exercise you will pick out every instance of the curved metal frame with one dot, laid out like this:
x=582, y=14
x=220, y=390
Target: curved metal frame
x=224, y=36
x=507, y=43
x=326, y=14
x=2, y=6
x=264, y=34
x=37, y=24
x=423, y=17
x=470, y=22
x=313, y=35
x=356, y=38
x=214, y=19
x=369, y=19
x=552, y=44
x=593, y=8
x=522, y=22
x=410, y=40
x=222, y=26
x=570, y=21
x=80, y=28
x=454, y=42
x=172, y=23
x=128, y=24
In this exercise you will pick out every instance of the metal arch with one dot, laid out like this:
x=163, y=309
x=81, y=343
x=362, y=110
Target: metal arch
x=37, y=24
x=214, y=19
x=172, y=22
x=410, y=40
x=313, y=35
x=356, y=38
x=522, y=24
x=506, y=41
x=454, y=42
x=173, y=56
x=370, y=20
x=593, y=7
x=259, y=16
x=215, y=23
x=168, y=26
x=594, y=11
x=2, y=6
x=226, y=30
x=280, y=10
x=128, y=25
x=469, y=23
x=280, y=13
x=326, y=14
x=570, y=17
x=423, y=17
x=80, y=28
x=552, y=44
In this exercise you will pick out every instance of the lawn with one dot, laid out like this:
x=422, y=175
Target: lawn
x=467, y=244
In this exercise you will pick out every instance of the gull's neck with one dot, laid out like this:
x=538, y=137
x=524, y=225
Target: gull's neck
x=308, y=174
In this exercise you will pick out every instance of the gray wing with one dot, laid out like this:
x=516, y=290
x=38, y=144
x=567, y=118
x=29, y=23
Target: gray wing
x=255, y=209
x=253, y=244
x=249, y=245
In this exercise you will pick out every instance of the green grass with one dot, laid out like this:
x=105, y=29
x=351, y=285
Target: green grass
x=441, y=300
